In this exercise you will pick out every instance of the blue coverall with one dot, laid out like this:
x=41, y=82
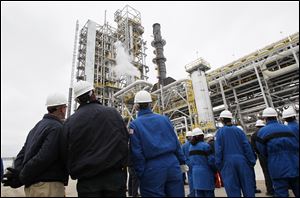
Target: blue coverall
x=203, y=164
x=156, y=155
x=282, y=153
x=235, y=159
x=294, y=126
x=185, y=148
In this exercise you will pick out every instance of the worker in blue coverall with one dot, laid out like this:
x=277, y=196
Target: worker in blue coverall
x=280, y=146
x=203, y=163
x=156, y=153
x=289, y=116
x=254, y=176
x=234, y=158
x=185, y=148
x=262, y=160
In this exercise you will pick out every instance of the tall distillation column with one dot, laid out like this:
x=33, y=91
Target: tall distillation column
x=158, y=43
x=204, y=108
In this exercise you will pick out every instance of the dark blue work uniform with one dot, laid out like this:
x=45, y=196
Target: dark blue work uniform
x=203, y=163
x=235, y=158
x=156, y=155
x=279, y=145
x=294, y=126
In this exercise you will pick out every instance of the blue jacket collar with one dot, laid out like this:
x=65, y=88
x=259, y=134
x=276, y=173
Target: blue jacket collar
x=144, y=111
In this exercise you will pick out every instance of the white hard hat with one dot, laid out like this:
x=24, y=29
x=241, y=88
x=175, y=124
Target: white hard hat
x=290, y=112
x=240, y=127
x=81, y=87
x=259, y=123
x=142, y=97
x=189, y=134
x=226, y=114
x=269, y=112
x=209, y=135
x=56, y=99
x=197, y=131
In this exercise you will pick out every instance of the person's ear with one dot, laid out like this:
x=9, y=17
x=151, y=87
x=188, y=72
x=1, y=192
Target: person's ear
x=137, y=106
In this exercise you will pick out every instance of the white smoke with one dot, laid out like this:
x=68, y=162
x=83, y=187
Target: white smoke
x=123, y=68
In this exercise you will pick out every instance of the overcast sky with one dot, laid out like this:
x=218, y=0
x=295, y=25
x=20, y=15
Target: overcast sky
x=37, y=45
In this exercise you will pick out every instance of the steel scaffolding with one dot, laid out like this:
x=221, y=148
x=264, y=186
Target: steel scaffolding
x=267, y=77
x=130, y=32
x=97, y=53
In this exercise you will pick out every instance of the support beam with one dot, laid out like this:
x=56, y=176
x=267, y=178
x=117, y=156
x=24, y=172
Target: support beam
x=238, y=106
x=223, y=95
x=261, y=87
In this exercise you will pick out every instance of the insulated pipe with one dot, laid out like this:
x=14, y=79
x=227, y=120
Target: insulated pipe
x=249, y=67
x=294, y=53
x=131, y=86
x=223, y=95
x=272, y=74
x=171, y=85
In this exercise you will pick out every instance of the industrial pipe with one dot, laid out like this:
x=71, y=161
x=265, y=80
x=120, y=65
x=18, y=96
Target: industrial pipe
x=273, y=58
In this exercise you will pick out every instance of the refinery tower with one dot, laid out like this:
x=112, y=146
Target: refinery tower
x=113, y=60
x=102, y=50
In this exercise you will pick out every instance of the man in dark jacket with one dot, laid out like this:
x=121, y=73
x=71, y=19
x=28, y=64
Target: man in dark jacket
x=96, y=140
x=39, y=165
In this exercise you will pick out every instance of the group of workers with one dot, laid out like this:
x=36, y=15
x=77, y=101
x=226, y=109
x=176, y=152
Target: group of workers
x=95, y=147
x=276, y=145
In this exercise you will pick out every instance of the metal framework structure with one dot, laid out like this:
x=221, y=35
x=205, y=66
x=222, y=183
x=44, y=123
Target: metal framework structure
x=130, y=32
x=267, y=77
x=175, y=100
x=124, y=99
x=97, y=54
